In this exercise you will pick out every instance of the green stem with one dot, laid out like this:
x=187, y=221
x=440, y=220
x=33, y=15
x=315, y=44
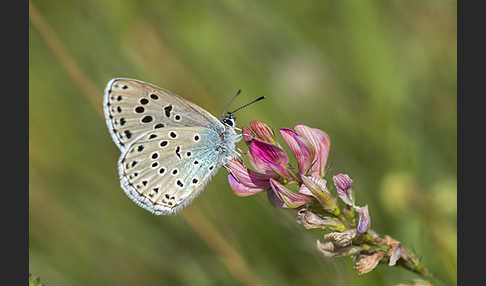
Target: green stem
x=345, y=221
x=412, y=263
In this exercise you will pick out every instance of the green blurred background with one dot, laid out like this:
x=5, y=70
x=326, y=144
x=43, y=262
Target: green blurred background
x=378, y=76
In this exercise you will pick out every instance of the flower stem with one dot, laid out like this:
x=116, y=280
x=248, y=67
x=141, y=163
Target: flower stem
x=414, y=265
x=408, y=260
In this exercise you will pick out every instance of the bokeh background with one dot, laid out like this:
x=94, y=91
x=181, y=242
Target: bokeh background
x=378, y=76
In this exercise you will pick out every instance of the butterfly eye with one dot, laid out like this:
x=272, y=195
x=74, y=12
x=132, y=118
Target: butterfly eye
x=228, y=121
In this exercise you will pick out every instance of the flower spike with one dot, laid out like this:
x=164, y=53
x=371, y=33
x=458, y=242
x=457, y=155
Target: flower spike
x=318, y=208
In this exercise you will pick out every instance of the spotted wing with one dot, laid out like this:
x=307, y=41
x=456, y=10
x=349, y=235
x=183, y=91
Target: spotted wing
x=133, y=108
x=163, y=170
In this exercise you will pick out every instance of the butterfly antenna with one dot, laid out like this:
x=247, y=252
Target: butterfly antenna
x=231, y=101
x=241, y=107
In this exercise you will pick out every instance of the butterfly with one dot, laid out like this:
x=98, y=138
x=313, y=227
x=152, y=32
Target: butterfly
x=170, y=147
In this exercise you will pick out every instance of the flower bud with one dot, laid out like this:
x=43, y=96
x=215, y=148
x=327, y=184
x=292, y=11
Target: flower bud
x=248, y=135
x=326, y=249
x=395, y=254
x=317, y=187
x=341, y=239
x=240, y=189
x=364, y=219
x=291, y=199
x=368, y=263
x=311, y=220
x=343, y=187
x=263, y=131
x=395, y=251
x=246, y=176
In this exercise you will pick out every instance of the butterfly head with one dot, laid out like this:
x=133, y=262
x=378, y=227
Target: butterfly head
x=229, y=120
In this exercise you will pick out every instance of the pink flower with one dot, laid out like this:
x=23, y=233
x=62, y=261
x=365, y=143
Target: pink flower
x=364, y=219
x=247, y=177
x=273, y=174
x=241, y=189
x=248, y=134
x=343, y=187
x=320, y=142
x=300, y=147
x=290, y=199
x=316, y=187
x=312, y=220
x=262, y=131
x=268, y=159
x=271, y=169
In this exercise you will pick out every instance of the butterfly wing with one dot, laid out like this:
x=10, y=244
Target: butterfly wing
x=133, y=108
x=164, y=169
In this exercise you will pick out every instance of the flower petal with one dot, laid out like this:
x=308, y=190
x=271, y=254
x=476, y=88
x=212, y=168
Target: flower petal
x=317, y=187
x=305, y=190
x=302, y=152
x=364, y=219
x=278, y=169
x=275, y=199
x=326, y=248
x=341, y=239
x=248, y=135
x=320, y=142
x=240, y=189
x=343, y=187
x=368, y=263
x=396, y=252
x=311, y=220
x=262, y=131
x=266, y=157
x=246, y=176
x=291, y=199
